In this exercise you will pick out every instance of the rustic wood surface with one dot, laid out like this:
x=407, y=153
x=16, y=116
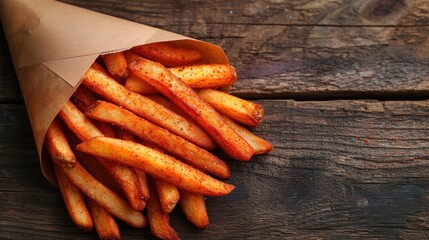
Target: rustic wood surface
x=352, y=167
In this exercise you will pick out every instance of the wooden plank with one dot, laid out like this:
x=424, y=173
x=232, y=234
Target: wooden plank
x=314, y=50
x=192, y=14
x=339, y=170
x=305, y=49
x=8, y=81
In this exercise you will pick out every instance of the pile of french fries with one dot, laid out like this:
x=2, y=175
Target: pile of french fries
x=138, y=137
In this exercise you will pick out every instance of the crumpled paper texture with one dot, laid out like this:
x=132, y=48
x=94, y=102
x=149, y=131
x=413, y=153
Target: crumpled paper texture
x=52, y=45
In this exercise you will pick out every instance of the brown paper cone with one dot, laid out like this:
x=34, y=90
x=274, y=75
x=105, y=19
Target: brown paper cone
x=52, y=45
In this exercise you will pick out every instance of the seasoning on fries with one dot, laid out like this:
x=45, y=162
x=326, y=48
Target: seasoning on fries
x=123, y=151
x=195, y=76
x=194, y=208
x=158, y=219
x=240, y=110
x=57, y=145
x=84, y=129
x=116, y=64
x=155, y=163
x=105, y=223
x=167, y=141
x=168, y=54
x=101, y=83
x=74, y=201
x=200, y=111
x=168, y=195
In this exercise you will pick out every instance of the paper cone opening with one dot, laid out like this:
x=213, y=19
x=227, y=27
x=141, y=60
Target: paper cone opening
x=52, y=45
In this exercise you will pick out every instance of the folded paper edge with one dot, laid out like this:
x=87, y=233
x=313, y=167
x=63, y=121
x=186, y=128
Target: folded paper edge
x=48, y=81
x=212, y=54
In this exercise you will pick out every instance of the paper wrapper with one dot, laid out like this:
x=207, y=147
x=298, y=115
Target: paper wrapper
x=52, y=45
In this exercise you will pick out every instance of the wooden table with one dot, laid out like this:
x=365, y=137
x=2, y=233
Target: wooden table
x=345, y=86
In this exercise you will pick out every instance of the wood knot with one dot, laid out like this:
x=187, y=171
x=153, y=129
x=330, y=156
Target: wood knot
x=377, y=9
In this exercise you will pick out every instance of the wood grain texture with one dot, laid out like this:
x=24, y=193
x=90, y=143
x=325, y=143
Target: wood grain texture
x=339, y=169
x=304, y=49
x=8, y=82
x=296, y=49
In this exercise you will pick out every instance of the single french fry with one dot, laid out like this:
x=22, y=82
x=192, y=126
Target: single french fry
x=158, y=219
x=82, y=127
x=144, y=189
x=157, y=164
x=78, y=123
x=108, y=199
x=105, y=223
x=162, y=138
x=200, y=111
x=259, y=145
x=168, y=195
x=196, y=77
x=83, y=98
x=168, y=54
x=238, y=109
x=206, y=75
x=101, y=83
x=57, y=145
x=194, y=208
x=116, y=64
x=74, y=201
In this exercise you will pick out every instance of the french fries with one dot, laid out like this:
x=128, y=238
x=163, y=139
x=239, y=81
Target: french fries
x=192, y=154
x=259, y=145
x=194, y=207
x=104, y=196
x=125, y=176
x=104, y=222
x=83, y=98
x=116, y=64
x=168, y=195
x=99, y=193
x=57, y=145
x=100, y=82
x=240, y=110
x=144, y=188
x=129, y=152
x=77, y=122
x=158, y=219
x=133, y=83
x=74, y=201
x=196, y=77
x=168, y=54
x=131, y=57
x=100, y=171
x=84, y=129
x=157, y=164
x=206, y=75
x=170, y=86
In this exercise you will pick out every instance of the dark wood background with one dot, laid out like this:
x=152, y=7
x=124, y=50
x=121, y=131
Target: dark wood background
x=345, y=86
